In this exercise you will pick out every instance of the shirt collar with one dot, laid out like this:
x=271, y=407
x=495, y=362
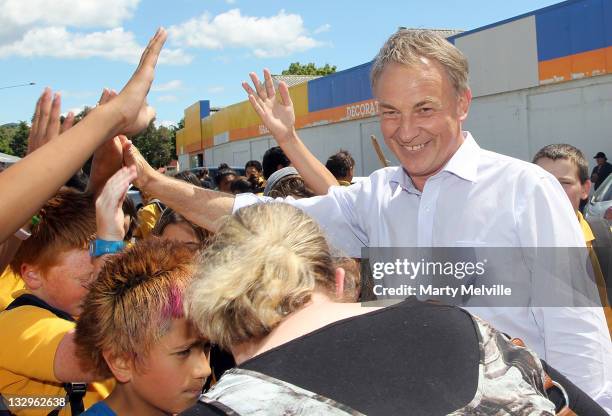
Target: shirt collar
x=464, y=164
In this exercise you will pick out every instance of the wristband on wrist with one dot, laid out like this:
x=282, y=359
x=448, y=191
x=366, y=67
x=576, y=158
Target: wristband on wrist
x=22, y=234
x=100, y=247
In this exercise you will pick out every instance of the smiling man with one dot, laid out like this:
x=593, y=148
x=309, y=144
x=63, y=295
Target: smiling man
x=448, y=192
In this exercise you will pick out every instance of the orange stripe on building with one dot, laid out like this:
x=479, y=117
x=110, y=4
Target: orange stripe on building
x=580, y=65
x=353, y=111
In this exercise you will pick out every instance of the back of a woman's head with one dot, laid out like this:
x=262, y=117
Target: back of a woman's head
x=262, y=265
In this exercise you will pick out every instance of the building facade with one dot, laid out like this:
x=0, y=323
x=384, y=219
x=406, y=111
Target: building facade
x=539, y=78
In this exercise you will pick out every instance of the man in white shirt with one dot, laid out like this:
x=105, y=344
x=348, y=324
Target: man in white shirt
x=447, y=192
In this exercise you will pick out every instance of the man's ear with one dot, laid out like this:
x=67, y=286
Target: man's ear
x=121, y=366
x=31, y=275
x=464, y=99
x=585, y=189
x=340, y=274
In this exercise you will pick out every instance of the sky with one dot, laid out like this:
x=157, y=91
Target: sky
x=79, y=47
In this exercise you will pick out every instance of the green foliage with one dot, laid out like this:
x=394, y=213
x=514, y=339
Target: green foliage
x=155, y=144
x=19, y=142
x=7, y=132
x=309, y=69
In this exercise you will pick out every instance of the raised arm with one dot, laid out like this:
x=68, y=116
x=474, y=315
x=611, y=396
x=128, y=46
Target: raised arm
x=279, y=117
x=28, y=184
x=107, y=159
x=201, y=206
x=109, y=226
x=46, y=126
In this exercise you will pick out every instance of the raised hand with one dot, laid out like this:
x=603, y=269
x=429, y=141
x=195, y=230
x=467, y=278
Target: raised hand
x=108, y=158
x=133, y=158
x=130, y=103
x=277, y=114
x=46, y=122
x=109, y=212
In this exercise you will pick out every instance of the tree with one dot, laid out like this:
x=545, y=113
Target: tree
x=172, y=136
x=155, y=148
x=7, y=132
x=19, y=143
x=309, y=69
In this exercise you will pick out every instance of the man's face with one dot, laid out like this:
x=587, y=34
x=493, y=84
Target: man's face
x=174, y=372
x=567, y=174
x=600, y=160
x=420, y=116
x=64, y=285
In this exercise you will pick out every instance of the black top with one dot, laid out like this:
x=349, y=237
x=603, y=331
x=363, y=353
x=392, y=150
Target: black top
x=414, y=357
x=602, y=172
x=411, y=358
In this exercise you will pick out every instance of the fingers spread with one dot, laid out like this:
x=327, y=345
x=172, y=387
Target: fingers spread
x=256, y=106
x=36, y=120
x=45, y=112
x=269, y=83
x=261, y=92
x=284, y=94
x=104, y=97
x=53, y=128
x=68, y=122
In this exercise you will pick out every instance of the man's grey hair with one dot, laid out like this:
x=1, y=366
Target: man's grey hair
x=407, y=46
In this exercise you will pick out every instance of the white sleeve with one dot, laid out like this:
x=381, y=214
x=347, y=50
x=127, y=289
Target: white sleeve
x=332, y=212
x=576, y=339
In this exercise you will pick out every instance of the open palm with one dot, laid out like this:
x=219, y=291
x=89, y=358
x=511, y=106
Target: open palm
x=277, y=114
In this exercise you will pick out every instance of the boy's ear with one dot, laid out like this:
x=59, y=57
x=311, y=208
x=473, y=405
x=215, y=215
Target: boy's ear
x=121, y=366
x=31, y=275
x=586, y=188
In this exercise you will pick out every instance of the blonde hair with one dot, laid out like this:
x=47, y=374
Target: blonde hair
x=131, y=304
x=406, y=46
x=263, y=264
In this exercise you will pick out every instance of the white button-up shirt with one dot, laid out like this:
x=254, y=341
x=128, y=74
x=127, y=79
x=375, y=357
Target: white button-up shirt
x=480, y=198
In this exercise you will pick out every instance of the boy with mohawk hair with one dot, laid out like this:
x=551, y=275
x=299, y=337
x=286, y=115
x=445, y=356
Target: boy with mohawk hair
x=134, y=329
x=37, y=354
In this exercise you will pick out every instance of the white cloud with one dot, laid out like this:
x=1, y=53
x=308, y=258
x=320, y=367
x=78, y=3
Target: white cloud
x=165, y=123
x=175, y=84
x=81, y=13
x=216, y=89
x=114, y=44
x=322, y=28
x=167, y=98
x=273, y=36
x=18, y=16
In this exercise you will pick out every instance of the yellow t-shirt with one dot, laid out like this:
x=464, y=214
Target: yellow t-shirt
x=147, y=218
x=29, y=338
x=599, y=280
x=10, y=284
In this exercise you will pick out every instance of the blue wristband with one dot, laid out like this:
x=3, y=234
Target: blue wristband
x=99, y=247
